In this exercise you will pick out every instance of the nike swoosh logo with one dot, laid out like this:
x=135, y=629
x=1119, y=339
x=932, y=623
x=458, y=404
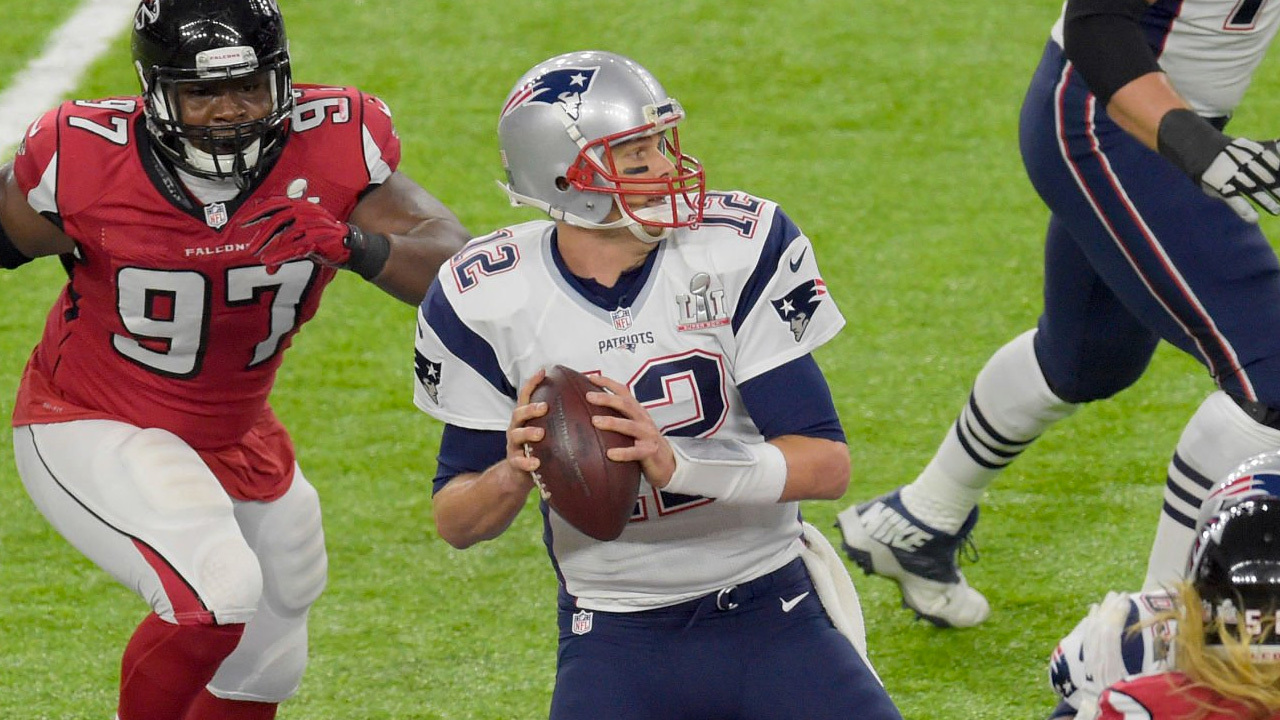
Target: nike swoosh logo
x=795, y=264
x=789, y=605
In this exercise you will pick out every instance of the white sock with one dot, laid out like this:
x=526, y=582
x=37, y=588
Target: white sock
x=1011, y=404
x=1217, y=439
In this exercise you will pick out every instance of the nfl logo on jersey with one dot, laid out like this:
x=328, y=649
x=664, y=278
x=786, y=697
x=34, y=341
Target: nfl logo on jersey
x=215, y=215
x=582, y=622
x=621, y=318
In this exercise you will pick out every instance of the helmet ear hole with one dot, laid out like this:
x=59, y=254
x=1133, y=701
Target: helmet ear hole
x=562, y=183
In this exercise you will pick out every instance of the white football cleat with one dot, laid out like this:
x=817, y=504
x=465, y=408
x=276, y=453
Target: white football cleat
x=884, y=539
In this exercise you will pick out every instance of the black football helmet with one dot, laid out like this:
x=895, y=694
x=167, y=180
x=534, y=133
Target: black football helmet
x=1235, y=560
x=196, y=41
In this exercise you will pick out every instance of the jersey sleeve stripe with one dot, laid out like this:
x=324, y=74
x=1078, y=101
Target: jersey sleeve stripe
x=782, y=233
x=43, y=198
x=378, y=168
x=467, y=345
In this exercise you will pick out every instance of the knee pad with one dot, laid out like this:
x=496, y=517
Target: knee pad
x=1102, y=374
x=268, y=664
x=228, y=579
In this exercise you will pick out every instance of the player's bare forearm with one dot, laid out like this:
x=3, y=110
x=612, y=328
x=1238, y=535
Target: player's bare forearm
x=422, y=232
x=817, y=468
x=1138, y=106
x=417, y=256
x=475, y=507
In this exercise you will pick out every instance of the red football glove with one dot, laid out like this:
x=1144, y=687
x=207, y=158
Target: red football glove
x=288, y=230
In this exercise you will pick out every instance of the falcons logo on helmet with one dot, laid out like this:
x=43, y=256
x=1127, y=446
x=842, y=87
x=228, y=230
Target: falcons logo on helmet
x=147, y=13
x=564, y=87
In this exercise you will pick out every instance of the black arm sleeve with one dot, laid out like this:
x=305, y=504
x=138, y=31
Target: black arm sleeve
x=10, y=256
x=1103, y=39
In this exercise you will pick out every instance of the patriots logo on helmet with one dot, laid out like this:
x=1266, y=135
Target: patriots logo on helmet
x=564, y=87
x=1253, y=484
x=797, y=307
x=428, y=374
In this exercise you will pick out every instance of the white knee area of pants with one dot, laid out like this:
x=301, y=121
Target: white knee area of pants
x=1013, y=394
x=1216, y=440
x=288, y=536
x=179, y=487
x=229, y=579
x=268, y=664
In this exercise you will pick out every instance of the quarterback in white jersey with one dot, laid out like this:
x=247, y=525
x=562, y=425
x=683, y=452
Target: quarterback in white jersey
x=695, y=313
x=712, y=307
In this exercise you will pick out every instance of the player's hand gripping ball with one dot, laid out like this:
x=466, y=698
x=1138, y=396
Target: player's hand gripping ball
x=594, y=494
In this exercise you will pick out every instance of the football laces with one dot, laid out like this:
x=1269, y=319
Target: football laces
x=537, y=477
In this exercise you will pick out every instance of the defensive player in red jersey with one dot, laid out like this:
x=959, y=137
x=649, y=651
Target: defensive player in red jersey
x=199, y=224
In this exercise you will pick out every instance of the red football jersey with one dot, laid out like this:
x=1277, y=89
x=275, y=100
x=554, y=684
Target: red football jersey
x=167, y=319
x=1164, y=696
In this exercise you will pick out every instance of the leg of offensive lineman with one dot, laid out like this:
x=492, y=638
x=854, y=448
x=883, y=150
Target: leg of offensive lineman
x=267, y=667
x=142, y=505
x=1238, y=338
x=913, y=534
x=1191, y=271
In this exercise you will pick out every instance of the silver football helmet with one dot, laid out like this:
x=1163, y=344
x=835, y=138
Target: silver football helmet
x=557, y=132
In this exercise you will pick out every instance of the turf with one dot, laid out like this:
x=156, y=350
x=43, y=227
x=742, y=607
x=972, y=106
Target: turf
x=888, y=132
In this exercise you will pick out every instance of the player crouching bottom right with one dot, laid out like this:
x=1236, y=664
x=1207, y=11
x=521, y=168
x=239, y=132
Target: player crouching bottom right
x=1208, y=649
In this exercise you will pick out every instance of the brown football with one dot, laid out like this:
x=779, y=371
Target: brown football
x=594, y=494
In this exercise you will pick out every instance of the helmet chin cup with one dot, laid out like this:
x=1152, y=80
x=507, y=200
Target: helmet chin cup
x=220, y=165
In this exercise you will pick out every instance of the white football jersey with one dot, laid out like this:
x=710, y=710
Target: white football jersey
x=1119, y=638
x=1210, y=48
x=717, y=305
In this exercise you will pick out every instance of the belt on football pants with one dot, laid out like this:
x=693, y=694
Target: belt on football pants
x=736, y=596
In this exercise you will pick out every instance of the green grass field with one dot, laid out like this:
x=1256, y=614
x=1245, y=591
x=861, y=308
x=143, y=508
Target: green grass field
x=887, y=130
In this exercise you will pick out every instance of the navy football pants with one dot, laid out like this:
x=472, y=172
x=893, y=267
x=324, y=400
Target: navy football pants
x=732, y=656
x=1136, y=252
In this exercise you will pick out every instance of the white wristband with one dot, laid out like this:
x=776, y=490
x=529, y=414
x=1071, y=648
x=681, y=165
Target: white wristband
x=728, y=470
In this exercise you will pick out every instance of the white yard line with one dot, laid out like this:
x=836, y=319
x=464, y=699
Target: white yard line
x=47, y=79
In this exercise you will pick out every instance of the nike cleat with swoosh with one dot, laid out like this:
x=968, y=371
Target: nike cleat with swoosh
x=884, y=539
